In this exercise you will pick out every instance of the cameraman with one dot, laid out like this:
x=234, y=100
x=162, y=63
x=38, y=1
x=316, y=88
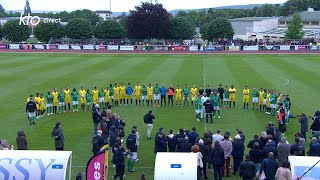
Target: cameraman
x=303, y=120
x=148, y=119
x=315, y=127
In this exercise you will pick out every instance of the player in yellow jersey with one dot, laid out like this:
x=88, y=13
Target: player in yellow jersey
x=150, y=95
x=106, y=97
x=42, y=106
x=67, y=99
x=246, y=94
x=268, y=109
x=178, y=95
x=232, y=96
x=261, y=98
x=37, y=101
x=194, y=94
x=116, y=95
x=82, y=94
x=55, y=101
x=122, y=90
x=137, y=93
x=95, y=95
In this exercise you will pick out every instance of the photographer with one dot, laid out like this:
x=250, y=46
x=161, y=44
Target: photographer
x=303, y=120
x=148, y=119
x=315, y=127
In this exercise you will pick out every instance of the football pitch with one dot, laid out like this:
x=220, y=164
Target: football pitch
x=25, y=74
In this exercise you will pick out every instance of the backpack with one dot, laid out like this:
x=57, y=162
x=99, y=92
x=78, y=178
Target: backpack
x=130, y=142
x=145, y=119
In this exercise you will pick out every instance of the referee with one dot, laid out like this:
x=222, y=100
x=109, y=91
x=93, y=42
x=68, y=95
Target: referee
x=31, y=108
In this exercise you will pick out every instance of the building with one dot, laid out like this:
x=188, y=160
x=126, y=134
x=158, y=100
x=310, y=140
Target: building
x=104, y=14
x=247, y=28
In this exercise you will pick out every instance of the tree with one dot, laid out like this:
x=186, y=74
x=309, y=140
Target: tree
x=181, y=13
x=85, y=14
x=1, y=34
x=294, y=6
x=45, y=31
x=219, y=28
x=148, y=21
x=27, y=9
x=2, y=12
x=295, y=28
x=266, y=10
x=192, y=16
x=14, y=32
x=79, y=29
x=181, y=28
x=109, y=29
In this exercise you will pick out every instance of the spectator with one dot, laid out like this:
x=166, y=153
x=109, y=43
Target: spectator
x=109, y=112
x=193, y=135
x=303, y=120
x=247, y=170
x=21, y=140
x=243, y=137
x=161, y=144
x=217, y=160
x=264, y=138
x=283, y=172
x=186, y=145
x=269, y=148
x=97, y=142
x=118, y=160
x=217, y=137
x=255, y=140
x=269, y=166
x=5, y=146
x=277, y=136
x=95, y=117
x=196, y=149
x=205, y=155
x=104, y=127
x=226, y=146
x=132, y=146
x=180, y=138
x=148, y=119
x=256, y=156
x=207, y=140
x=58, y=137
x=283, y=150
x=237, y=153
x=270, y=129
x=295, y=147
x=172, y=142
x=314, y=147
x=315, y=126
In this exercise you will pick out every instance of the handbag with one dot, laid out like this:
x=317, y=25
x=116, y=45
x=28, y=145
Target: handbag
x=261, y=176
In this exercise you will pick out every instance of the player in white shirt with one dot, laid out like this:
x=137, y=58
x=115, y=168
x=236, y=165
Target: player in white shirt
x=204, y=99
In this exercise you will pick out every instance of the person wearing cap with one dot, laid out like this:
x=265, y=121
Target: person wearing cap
x=97, y=142
x=58, y=136
x=31, y=108
x=314, y=147
x=237, y=153
x=205, y=154
x=148, y=119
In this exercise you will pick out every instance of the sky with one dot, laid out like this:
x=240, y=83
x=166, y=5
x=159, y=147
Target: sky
x=123, y=5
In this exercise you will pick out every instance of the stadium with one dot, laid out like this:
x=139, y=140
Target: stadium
x=144, y=90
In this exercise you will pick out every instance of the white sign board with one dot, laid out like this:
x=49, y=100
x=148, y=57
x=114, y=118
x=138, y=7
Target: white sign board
x=127, y=48
x=37, y=46
x=112, y=47
x=195, y=48
x=250, y=48
x=41, y=165
x=284, y=48
x=300, y=164
x=75, y=47
x=175, y=166
x=89, y=47
x=14, y=46
x=63, y=46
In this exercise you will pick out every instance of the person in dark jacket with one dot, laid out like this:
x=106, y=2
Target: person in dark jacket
x=303, y=120
x=209, y=109
x=315, y=126
x=31, y=109
x=58, y=137
x=269, y=165
x=205, y=153
x=255, y=140
x=186, y=145
x=118, y=160
x=270, y=129
x=148, y=120
x=283, y=150
x=104, y=127
x=180, y=139
x=247, y=169
x=242, y=136
x=172, y=141
x=21, y=139
x=256, y=156
x=237, y=153
x=314, y=147
x=97, y=143
x=193, y=135
x=132, y=146
x=269, y=148
x=216, y=158
x=95, y=117
x=295, y=147
x=161, y=144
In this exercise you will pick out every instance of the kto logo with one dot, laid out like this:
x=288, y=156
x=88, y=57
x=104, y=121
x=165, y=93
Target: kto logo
x=35, y=20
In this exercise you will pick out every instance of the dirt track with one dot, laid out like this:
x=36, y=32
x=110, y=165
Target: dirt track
x=153, y=52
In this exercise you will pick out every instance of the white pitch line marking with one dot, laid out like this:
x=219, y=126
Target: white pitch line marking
x=287, y=81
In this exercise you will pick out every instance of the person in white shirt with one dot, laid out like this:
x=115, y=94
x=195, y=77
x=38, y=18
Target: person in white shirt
x=217, y=137
x=204, y=98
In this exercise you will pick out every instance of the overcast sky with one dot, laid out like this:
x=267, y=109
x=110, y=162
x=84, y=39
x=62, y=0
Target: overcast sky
x=123, y=5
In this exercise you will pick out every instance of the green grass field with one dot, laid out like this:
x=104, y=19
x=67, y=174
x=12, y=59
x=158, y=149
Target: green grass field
x=25, y=74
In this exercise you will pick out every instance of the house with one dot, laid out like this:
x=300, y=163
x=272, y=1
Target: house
x=246, y=28
x=104, y=14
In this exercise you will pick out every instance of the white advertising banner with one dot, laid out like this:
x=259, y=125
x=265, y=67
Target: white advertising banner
x=41, y=165
x=89, y=47
x=37, y=46
x=301, y=164
x=63, y=46
x=14, y=46
x=75, y=47
x=284, y=48
x=127, y=48
x=195, y=48
x=250, y=48
x=112, y=47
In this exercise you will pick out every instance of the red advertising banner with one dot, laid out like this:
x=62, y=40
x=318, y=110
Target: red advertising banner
x=96, y=167
x=179, y=48
x=3, y=46
x=52, y=46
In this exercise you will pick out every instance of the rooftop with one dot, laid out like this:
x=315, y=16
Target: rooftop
x=281, y=31
x=253, y=18
x=305, y=16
